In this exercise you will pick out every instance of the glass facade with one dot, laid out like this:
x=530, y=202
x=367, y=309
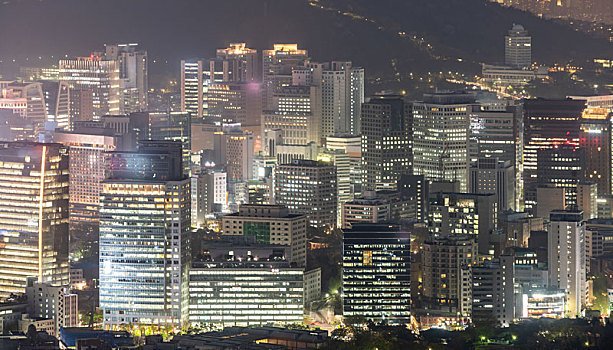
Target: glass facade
x=259, y=230
x=33, y=215
x=144, y=252
x=376, y=273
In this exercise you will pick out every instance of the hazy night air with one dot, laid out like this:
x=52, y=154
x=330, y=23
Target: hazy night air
x=289, y=174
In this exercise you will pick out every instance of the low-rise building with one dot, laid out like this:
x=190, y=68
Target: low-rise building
x=269, y=224
x=232, y=284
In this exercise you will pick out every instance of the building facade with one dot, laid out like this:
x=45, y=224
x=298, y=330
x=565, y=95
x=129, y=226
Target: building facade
x=33, y=215
x=376, y=273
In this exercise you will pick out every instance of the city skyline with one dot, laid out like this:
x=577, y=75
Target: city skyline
x=266, y=187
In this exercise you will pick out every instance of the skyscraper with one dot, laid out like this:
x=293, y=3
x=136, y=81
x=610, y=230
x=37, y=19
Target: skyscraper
x=297, y=113
x=562, y=166
x=277, y=66
x=496, y=133
x=234, y=151
x=89, y=166
x=144, y=250
x=386, y=141
x=490, y=175
x=99, y=75
x=566, y=257
x=595, y=138
x=193, y=88
x=376, y=273
x=133, y=73
x=440, y=137
x=57, y=103
x=342, y=91
x=33, y=215
x=547, y=123
x=308, y=187
x=236, y=102
x=243, y=62
x=475, y=215
x=173, y=126
x=518, y=47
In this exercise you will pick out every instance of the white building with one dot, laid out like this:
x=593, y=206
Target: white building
x=518, y=47
x=566, y=257
x=144, y=228
x=209, y=194
x=99, y=75
x=440, y=137
x=342, y=97
x=308, y=187
x=269, y=224
x=133, y=72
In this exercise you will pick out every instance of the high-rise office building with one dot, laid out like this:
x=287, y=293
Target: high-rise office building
x=376, y=207
x=147, y=221
x=342, y=162
x=234, y=150
x=243, y=62
x=562, y=166
x=99, y=75
x=490, y=175
x=133, y=75
x=236, y=102
x=522, y=274
x=81, y=105
x=376, y=273
x=488, y=294
x=496, y=133
x=235, y=64
x=351, y=145
x=386, y=142
x=465, y=213
x=308, y=187
x=342, y=97
x=89, y=166
x=595, y=138
x=416, y=189
x=518, y=47
x=173, y=126
x=160, y=160
x=440, y=137
x=342, y=93
x=296, y=111
x=269, y=224
x=193, y=88
x=547, y=123
x=587, y=199
x=566, y=258
x=277, y=66
x=33, y=215
x=57, y=103
x=145, y=216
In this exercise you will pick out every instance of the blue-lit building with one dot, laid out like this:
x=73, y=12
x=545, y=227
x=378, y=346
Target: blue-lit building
x=144, y=250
